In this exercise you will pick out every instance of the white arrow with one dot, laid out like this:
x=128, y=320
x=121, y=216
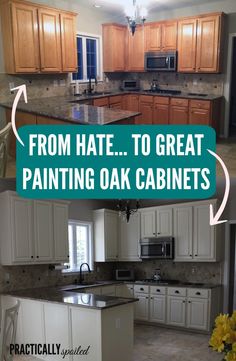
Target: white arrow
x=214, y=220
x=20, y=90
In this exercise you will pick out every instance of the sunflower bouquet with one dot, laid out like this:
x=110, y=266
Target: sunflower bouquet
x=223, y=338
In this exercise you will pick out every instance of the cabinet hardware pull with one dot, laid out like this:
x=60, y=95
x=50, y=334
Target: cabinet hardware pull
x=189, y=301
x=198, y=293
x=141, y=289
x=32, y=256
x=37, y=256
x=191, y=255
x=183, y=301
x=195, y=255
x=158, y=290
x=176, y=291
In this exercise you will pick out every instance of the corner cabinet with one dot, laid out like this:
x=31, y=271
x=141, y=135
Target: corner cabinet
x=36, y=231
x=200, y=44
x=114, y=43
x=49, y=33
x=105, y=235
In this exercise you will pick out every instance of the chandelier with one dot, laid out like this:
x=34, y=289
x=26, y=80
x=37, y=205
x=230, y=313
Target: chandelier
x=126, y=210
x=135, y=14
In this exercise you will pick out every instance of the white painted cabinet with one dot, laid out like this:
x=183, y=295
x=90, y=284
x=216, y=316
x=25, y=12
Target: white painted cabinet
x=156, y=222
x=43, y=229
x=183, y=233
x=108, y=290
x=37, y=231
x=158, y=309
x=176, y=311
x=106, y=235
x=31, y=310
x=129, y=237
x=57, y=329
x=198, y=313
x=204, y=242
x=60, y=219
x=141, y=311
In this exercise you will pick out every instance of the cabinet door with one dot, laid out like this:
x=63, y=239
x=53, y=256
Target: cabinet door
x=153, y=37
x=208, y=44
x=169, y=36
x=183, y=233
x=32, y=321
x=136, y=50
x=129, y=237
x=111, y=236
x=197, y=314
x=57, y=329
x=43, y=229
x=178, y=115
x=50, y=44
x=68, y=42
x=101, y=102
x=61, y=242
x=25, y=36
x=128, y=291
x=148, y=223
x=141, y=311
x=158, y=309
x=176, y=311
x=114, y=37
x=199, y=116
x=132, y=102
x=187, y=45
x=22, y=229
x=108, y=291
x=203, y=234
x=146, y=108
x=161, y=114
x=164, y=222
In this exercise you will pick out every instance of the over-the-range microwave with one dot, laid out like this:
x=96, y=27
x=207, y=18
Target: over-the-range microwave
x=157, y=248
x=160, y=61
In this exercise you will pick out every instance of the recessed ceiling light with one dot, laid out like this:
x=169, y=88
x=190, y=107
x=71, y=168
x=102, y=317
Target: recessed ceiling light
x=97, y=6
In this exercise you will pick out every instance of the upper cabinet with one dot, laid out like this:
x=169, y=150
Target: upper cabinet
x=114, y=42
x=199, y=44
x=161, y=36
x=36, y=230
x=129, y=237
x=156, y=222
x=135, y=56
x=49, y=34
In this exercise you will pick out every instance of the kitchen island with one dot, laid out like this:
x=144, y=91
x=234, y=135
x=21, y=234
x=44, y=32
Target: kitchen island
x=86, y=326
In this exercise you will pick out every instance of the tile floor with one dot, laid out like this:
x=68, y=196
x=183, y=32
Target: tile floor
x=160, y=344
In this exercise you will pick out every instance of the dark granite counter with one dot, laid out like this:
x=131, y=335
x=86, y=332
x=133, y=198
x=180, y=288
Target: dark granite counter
x=61, y=108
x=78, y=299
x=177, y=285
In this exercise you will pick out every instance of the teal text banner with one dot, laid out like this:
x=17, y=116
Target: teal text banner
x=105, y=162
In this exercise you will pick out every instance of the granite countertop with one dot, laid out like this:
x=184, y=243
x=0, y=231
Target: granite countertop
x=78, y=299
x=61, y=108
x=177, y=285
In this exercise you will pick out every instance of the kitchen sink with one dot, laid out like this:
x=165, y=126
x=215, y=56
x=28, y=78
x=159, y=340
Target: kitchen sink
x=100, y=93
x=198, y=94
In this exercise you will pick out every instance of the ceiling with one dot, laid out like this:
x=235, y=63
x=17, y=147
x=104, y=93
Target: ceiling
x=116, y=7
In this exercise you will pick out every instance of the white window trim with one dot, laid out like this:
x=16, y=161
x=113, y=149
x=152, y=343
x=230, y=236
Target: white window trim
x=91, y=261
x=99, y=57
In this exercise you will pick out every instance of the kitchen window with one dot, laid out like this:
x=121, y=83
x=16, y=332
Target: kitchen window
x=80, y=245
x=89, y=58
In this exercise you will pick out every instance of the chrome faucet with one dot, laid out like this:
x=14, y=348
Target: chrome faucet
x=90, y=88
x=81, y=278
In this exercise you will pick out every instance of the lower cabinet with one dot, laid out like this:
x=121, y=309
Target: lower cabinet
x=108, y=290
x=176, y=311
x=197, y=316
x=158, y=309
x=141, y=311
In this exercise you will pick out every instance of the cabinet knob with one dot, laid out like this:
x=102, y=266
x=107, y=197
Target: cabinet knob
x=158, y=232
x=191, y=255
x=68, y=256
x=189, y=301
x=183, y=301
x=198, y=293
x=195, y=255
x=158, y=290
x=177, y=291
x=141, y=289
x=37, y=256
x=146, y=298
x=32, y=256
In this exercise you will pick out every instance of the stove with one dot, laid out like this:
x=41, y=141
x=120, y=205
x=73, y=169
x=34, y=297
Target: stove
x=165, y=91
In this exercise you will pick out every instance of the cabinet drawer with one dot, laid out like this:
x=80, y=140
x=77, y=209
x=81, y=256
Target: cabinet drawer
x=200, y=104
x=155, y=290
x=180, y=102
x=146, y=98
x=115, y=99
x=197, y=292
x=141, y=289
x=161, y=100
x=177, y=291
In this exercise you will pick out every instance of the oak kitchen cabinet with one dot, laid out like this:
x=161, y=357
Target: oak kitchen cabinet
x=200, y=44
x=105, y=235
x=179, y=111
x=101, y=102
x=135, y=53
x=37, y=230
x=116, y=102
x=161, y=110
x=161, y=36
x=114, y=43
x=49, y=33
x=156, y=222
x=200, y=112
x=146, y=108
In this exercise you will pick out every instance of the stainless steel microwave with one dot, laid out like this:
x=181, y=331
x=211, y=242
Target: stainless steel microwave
x=157, y=248
x=158, y=61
